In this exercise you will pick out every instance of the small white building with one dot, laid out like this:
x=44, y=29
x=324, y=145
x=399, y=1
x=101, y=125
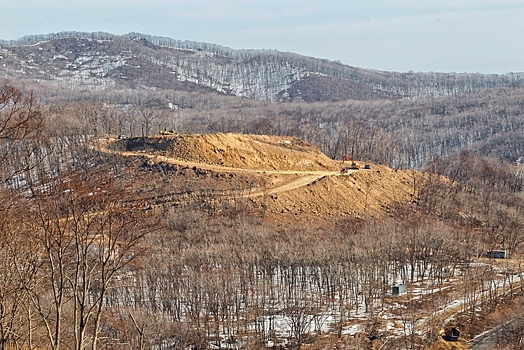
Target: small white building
x=399, y=289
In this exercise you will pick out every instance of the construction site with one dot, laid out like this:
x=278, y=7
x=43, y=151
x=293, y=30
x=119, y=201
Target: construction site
x=296, y=189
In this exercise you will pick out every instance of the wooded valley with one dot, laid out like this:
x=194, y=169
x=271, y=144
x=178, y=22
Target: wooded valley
x=116, y=237
x=95, y=261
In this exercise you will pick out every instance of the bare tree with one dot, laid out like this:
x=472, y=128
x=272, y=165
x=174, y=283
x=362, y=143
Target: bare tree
x=21, y=123
x=89, y=236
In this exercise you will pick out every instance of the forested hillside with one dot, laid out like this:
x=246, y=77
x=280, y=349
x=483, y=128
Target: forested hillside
x=401, y=119
x=165, y=194
x=102, y=61
x=403, y=133
x=173, y=242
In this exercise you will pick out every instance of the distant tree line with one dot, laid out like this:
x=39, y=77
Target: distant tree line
x=264, y=74
x=400, y=133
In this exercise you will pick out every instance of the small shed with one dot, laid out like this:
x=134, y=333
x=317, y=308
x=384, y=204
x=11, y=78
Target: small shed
x=399, y=289
x=496, y=254
x=451, y=334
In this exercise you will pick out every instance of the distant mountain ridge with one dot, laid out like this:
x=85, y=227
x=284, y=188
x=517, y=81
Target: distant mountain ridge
x=101, y=61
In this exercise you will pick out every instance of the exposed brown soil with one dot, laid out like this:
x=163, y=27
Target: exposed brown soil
x=287, y=176
x=252, y=152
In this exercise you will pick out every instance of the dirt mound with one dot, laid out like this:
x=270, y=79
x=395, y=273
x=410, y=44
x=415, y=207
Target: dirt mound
x=255, y=152
x=364, y=193
x=286, y=176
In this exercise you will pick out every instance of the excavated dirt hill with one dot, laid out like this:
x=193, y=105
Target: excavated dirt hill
x=254, y=152
x=298, y=180
x=376, y=192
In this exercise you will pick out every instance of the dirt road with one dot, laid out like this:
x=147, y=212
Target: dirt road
x=303, y=181
x=307, y=178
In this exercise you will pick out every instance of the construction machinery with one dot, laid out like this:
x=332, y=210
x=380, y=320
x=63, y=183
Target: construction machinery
x=347, y=158
x=167, y=131
x=354, y=166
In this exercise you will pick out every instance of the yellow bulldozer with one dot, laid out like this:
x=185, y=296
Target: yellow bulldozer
x=167, y=131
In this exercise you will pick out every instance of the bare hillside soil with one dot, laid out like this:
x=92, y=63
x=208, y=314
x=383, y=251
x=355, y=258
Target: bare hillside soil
x=286, y=176
x=363, y=193
x=294, y=184
x=253, y=152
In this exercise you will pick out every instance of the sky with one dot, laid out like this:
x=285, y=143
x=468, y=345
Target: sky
x=485, y=36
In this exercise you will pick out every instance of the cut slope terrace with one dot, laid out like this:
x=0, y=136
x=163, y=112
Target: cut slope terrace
x=311, y=183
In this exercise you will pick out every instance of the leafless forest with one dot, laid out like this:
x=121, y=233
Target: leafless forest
x=92, y=259
x=102, y=250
